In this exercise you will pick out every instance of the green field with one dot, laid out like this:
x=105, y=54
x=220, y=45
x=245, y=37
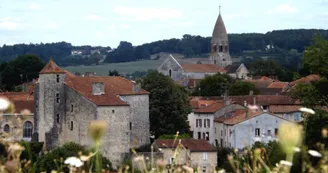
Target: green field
x=122, y=68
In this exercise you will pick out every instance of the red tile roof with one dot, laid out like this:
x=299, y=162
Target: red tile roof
x=284, y=108
x=51, y=68
x=17, y=95
x=307, y=79
x=264, y=100
x=194, y=145
x=21, y=105
x=281, y=85
x=202, y=68
x=114, y=86
x=195, y=104
x=212, y=108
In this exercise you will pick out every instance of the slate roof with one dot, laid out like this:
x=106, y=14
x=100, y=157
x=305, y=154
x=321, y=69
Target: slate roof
x=202, y=68
x=51, y=68
x=232, y=68
x=194, y=145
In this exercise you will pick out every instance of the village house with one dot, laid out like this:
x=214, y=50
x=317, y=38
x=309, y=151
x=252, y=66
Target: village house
x=245, y=127
x=197, y=153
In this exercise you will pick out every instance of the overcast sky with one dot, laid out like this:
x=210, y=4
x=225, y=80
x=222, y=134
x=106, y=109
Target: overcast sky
x=107, y=22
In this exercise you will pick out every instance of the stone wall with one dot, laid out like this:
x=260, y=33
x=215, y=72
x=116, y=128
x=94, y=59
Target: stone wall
x=16, y=126
x=139, y=119
x=117, y=137
x=181, y=158
x=171, y=66
x=208, y=164
x=203, y=129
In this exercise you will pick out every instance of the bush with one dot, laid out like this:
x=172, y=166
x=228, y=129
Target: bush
x=54, y=160
x=222, y=159
x=32, y=150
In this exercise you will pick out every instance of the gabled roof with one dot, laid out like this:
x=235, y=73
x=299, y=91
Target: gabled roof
x=195, y=104
x=114, y=87
x=232, y=68
x=51, y=68
x=212, y=108
x=202, y=68
x=194, y=145
x=306, y=79
x=284, y=108
x=280, y=85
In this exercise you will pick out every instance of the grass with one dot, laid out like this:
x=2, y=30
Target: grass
x=122, y=68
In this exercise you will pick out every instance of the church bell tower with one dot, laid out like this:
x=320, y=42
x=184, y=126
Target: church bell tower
x=220, y=44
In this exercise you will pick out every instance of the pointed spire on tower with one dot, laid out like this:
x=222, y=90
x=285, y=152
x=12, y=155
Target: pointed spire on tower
x=51, y=68
x=220, y=10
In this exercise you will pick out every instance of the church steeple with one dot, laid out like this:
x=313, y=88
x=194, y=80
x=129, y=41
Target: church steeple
x=220, y=43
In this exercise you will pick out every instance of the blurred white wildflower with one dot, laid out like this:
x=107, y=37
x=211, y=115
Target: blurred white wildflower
x=221, y=171
x=73, y=161
x=314, y=153
x=4, y=104
x=307, y=110
x=296, y=149
x=284, y=162
x=138, y=158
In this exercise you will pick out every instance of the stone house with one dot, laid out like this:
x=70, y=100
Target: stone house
x=195, y=153
x=19, y=124
x=238, y=71
x=65, y=104
x=245, y=127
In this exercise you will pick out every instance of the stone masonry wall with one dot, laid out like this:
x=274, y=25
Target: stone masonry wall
x=139, y=119
x=197, y=159
x=117, y=137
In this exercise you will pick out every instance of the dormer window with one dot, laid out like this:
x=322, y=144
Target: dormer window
x=220, y=48
x=265, y=108
x=57, y=78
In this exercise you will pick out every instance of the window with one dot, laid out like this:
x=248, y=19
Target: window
x=214, y=48
x=6, y=128
x=215, y=130
x=275, y=131
x=113, y=111
x=265, y=107
x=269, y=132
x=221, y=132
x=171, y=160
x=257, y=131
x=207, y=136
x=200, y=122
x=204, y=156
x=72, y=107
x=204, y=136
x=57, y=98
x=57, y=118
x=130, y=126
x=221, y=142
x=71, y=128
x=220, y=48
x=208, y=123
x=170, y=73
x=297, y=116
x=57, y=78
x=230, y=132
x=205, y=122
x=27, y=129
x=286, y=116
x=199, y=135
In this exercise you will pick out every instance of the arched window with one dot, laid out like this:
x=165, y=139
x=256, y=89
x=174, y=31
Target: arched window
x=6, y=128
x=214, y=48
x=221, y=48
x=170, y=73
x=27, y=129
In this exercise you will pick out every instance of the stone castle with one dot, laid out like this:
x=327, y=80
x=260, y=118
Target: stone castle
x=65, y=104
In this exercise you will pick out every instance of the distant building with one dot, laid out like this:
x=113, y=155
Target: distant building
x=197, y=153
x=76, y=52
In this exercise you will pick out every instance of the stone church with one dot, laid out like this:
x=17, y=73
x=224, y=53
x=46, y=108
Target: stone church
x=219, y=61
x=65, y=104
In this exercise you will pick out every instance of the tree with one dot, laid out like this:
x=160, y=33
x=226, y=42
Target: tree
x=123, y=53
x=242, y=88
x=24, y=68
x=214, y=85
x=168, y=105
x=306, y=93
x=315, y=57
x=314, y=125
x=265, y=68
x=113, y=73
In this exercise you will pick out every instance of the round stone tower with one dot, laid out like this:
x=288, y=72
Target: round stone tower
x=50, y=104
x=220, y=44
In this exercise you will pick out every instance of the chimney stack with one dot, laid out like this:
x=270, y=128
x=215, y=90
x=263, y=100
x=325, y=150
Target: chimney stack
x=98, y=88
x=136, y=87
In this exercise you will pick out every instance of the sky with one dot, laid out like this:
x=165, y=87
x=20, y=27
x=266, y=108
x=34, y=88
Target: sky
x=107, y=22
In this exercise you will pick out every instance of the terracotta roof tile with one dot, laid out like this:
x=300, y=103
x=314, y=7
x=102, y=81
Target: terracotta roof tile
x=307, y=79
x=260, y=83
x=202, y=68
x=194, y=145
x=281, y=85
x=241, y=116
x=20, y=105
x=212, y=108
x=51, y=68
x=265, y=100
x=114, y=86
x=17, y=95
x=284, y=108
x=195, y=104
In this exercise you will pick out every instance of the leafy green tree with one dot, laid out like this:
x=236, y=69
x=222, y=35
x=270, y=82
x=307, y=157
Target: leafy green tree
x=113, y=73
x=242, y=88
x=123, y=53
x=314, y=125
x=24, y=68
x=214, y=85
x=306, y=93
x=265, y=68
x=168, y=105
x=315, y=57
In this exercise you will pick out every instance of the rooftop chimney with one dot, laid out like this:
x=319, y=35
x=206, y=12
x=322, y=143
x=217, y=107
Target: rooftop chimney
x=98, y=88
x=245, y=103
x=251, y=92
x=136, y=87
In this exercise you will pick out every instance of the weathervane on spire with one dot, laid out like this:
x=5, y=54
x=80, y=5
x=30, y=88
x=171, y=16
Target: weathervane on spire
x=220, y=9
